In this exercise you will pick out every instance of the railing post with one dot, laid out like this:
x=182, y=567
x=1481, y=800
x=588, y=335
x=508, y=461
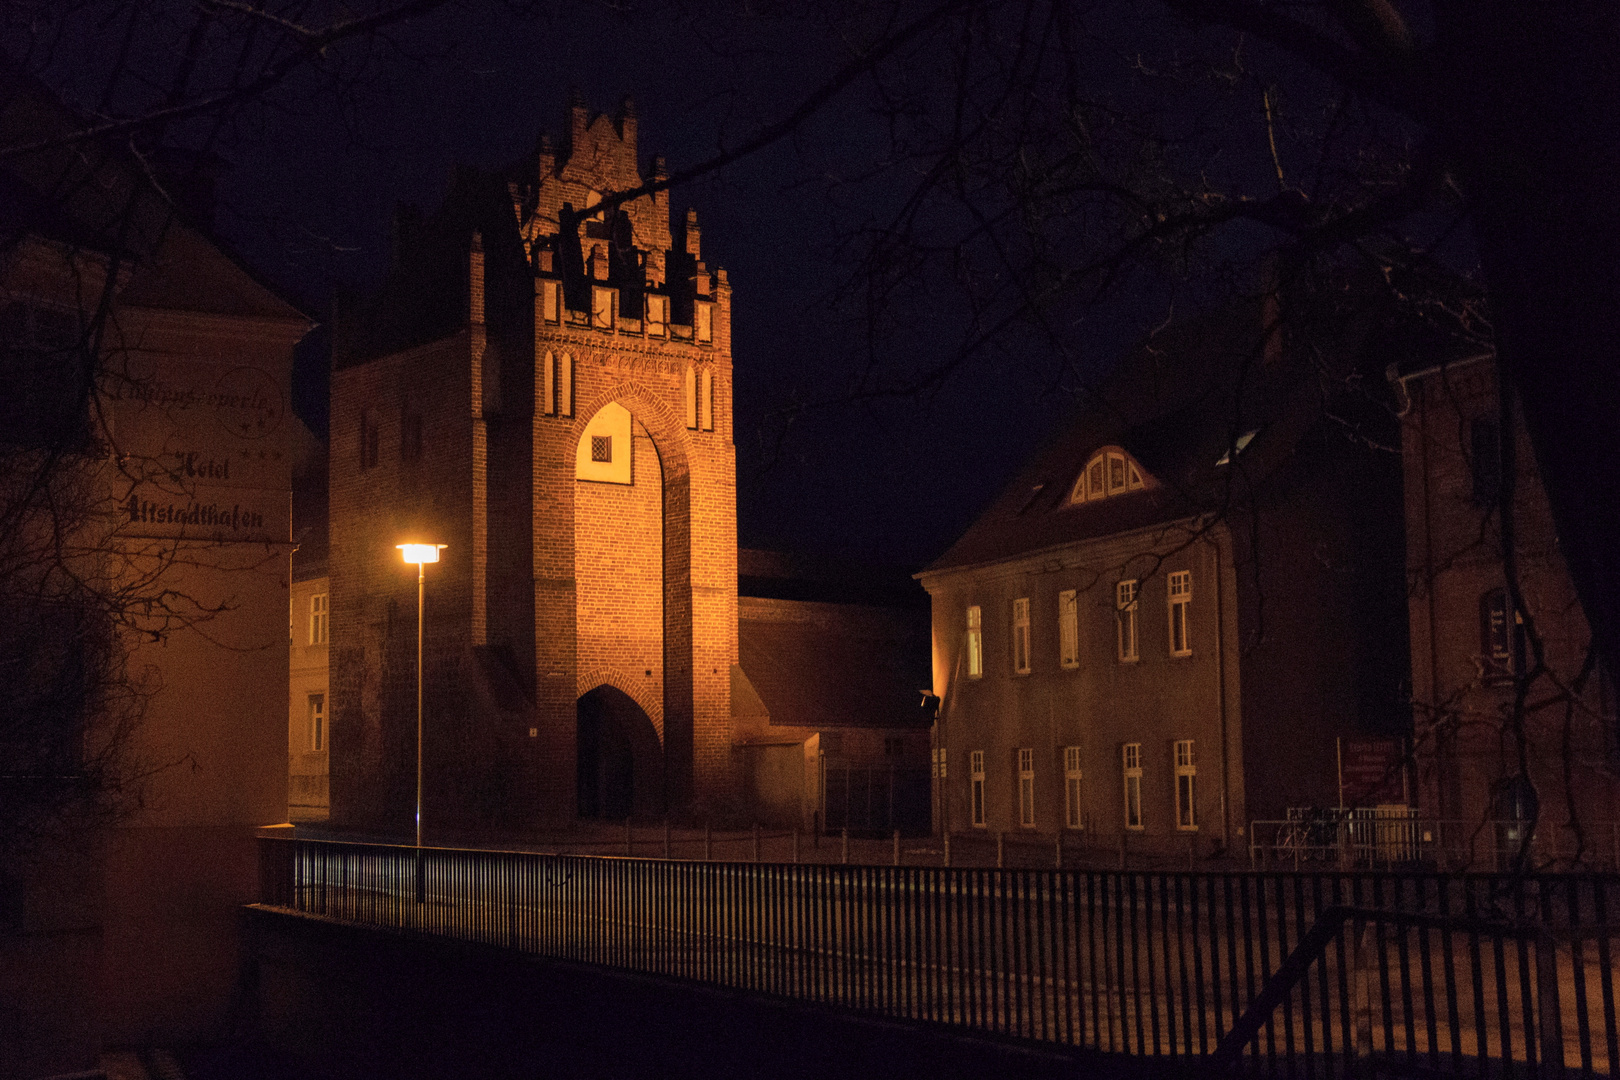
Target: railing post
x=1362, y=964
x=897, y=847
x=844, y=857
x=1549, y=1023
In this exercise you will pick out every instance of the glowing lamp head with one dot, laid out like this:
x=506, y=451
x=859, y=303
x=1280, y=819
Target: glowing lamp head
x=416, y=554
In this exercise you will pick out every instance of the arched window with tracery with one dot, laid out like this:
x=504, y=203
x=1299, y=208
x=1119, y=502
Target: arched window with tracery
x=1111, y=471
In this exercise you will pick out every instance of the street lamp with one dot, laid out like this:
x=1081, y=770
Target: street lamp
x=421, y=555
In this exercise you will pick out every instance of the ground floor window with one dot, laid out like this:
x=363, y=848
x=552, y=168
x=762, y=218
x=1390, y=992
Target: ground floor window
x=1131, y=758
x=1071, y=788
x=976, y=786
x=1026, y=788
x=1186, y=789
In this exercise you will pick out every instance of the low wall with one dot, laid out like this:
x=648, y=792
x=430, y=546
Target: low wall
x=359, y=1003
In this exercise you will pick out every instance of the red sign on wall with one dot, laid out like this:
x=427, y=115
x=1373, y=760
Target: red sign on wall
x=1372, y=771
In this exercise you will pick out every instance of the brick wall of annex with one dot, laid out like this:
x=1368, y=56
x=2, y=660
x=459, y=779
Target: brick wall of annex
x=373, y=656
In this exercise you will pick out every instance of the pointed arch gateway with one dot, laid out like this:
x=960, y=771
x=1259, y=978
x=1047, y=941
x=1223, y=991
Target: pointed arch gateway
x=633, y=605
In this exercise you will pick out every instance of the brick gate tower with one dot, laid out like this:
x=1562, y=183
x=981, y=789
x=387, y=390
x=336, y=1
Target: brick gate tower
x=553, y=403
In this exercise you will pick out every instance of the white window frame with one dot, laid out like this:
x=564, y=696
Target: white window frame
x=1126, y=600
x=1073, y=816
x=1069, y=629
x=1178, y=595
x=320, y=615
x=976, y=788
x=1131, y=764
x=317, y=723
x=1020, y=637
x=1026, y=787
x=1186, y=786
x=975, y=641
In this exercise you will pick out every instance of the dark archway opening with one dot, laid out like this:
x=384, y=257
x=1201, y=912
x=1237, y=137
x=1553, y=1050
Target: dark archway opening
x=620, y=761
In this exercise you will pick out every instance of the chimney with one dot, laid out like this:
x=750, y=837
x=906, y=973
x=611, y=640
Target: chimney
x=579, y=117
x=693, y=245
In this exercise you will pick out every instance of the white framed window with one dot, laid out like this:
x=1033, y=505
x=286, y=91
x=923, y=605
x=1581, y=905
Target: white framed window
x=1180, y=599
x=1068, y=629
x=318, y=616
x=1125, y=619
x=1131, y=759
x=939, y=763
x=975, y=642
x=1021, y=635
x=1026, y=788
x=1072, y=816
x=317, y=722
x=976, y=786
x=1186, y=786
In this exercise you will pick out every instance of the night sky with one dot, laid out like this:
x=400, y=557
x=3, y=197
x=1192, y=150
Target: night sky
x=313, y=182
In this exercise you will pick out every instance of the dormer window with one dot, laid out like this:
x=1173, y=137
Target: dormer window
x=1109, y=472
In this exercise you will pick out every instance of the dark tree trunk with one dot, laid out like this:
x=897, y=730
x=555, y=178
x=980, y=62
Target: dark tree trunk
x=1528, y=97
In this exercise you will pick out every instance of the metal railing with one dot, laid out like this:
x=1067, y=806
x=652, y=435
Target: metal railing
x=1480, y=974
x=1385, y=838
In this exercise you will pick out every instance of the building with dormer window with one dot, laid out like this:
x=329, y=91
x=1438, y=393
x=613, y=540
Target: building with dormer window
x=1167, y=620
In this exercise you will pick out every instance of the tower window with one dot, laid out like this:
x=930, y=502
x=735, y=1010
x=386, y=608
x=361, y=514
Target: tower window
x=602, y=448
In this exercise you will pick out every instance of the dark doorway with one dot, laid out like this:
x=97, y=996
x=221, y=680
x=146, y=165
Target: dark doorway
x=620, y=761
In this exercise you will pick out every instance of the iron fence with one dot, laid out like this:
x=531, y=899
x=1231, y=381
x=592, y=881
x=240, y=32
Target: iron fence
x=1312, y=973
x=1396, y=837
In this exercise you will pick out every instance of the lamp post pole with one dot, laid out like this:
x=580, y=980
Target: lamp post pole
x=421, y=555
x=421, y=599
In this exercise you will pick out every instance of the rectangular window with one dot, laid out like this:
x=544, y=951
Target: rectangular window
x=657, y=314
x=370, y=440
x=975, y=643
x=550, y=300
x=317, y=722
x=1021, y=635
x=704, y=314
x=410, y=437
x=1071, y=788
x=602, y=308
x=1132, y=759
x=1485, y=460
x=706, y=402
x=1068, y=629
x=976, y=786
x=1026, y=788
x=317, y=619
x=1125, y=618
x=602, y=448
x=939, y=763
x=1180, y=600
x=1186, y=785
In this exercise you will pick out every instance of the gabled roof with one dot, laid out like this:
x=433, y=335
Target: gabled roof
x=1177, y=405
